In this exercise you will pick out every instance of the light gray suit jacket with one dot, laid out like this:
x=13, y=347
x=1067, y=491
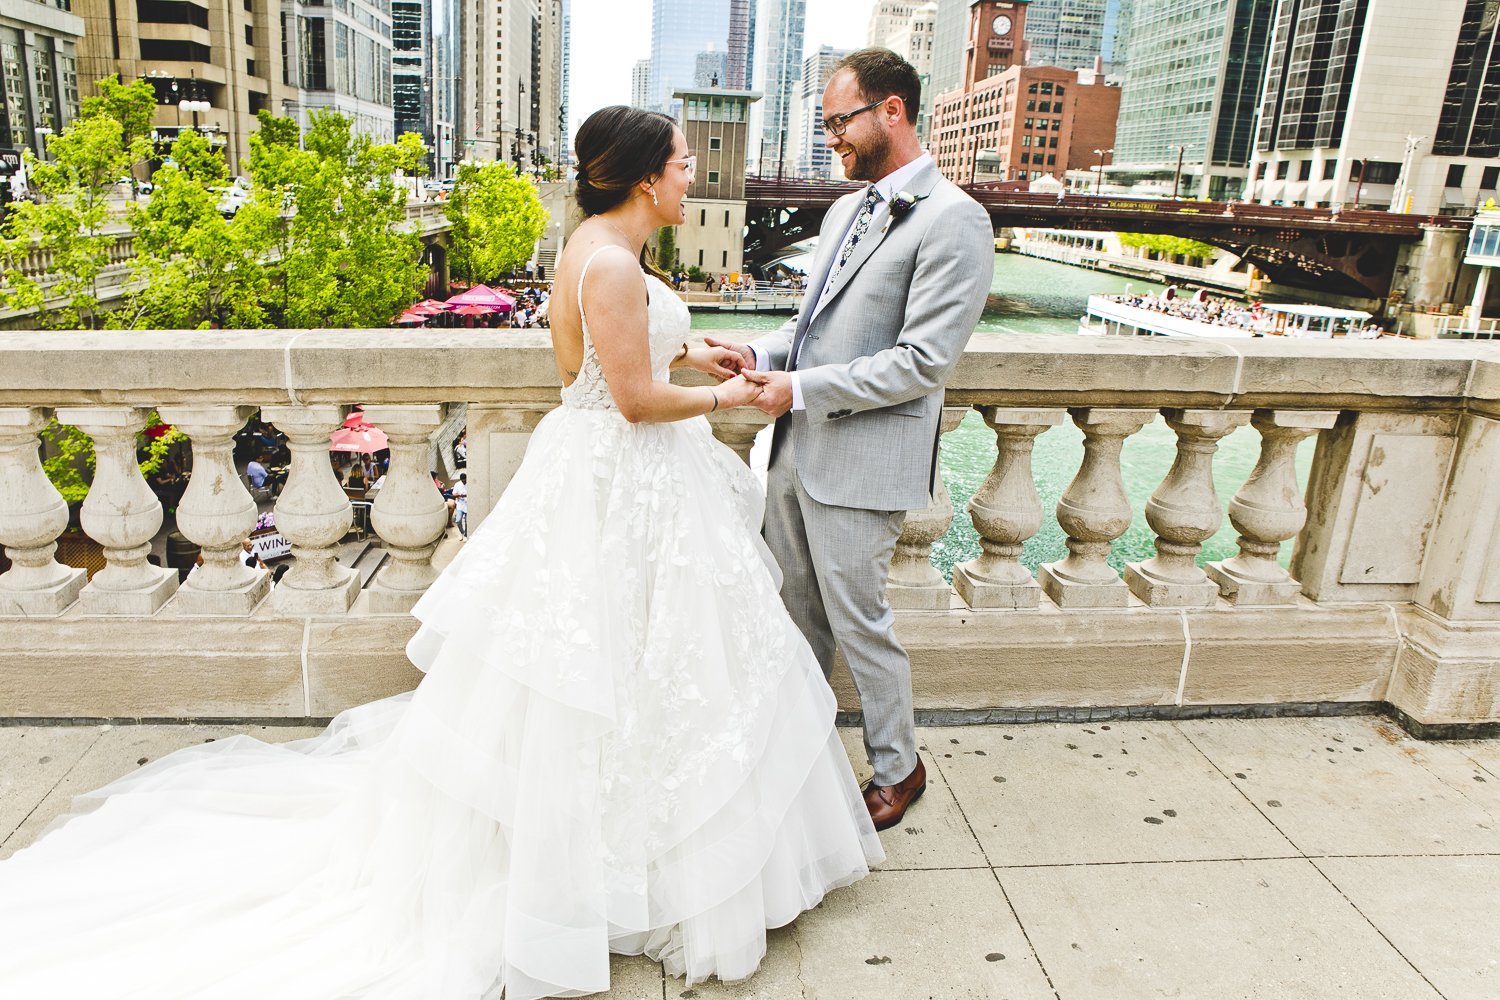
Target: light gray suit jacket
x=879, y=346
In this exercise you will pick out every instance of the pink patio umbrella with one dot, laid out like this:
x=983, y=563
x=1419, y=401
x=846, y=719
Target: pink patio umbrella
x=483, y=295
x=474, y=310
x=428, y=306
x=412, y=318
x=358, y=437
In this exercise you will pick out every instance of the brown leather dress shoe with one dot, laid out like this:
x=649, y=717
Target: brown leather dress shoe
x=887, y=804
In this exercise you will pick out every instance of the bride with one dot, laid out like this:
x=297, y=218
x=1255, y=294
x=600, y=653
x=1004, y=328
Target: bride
x=622, y=743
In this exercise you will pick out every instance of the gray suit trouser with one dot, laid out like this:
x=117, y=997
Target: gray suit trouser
x=835, y=562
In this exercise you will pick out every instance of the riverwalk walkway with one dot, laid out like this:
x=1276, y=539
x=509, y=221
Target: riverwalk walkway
x=1205, y=860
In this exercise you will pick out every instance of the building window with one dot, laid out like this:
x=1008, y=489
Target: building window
x=170, y=50
x=713, y=177
x=1455, y=176
x=163, y=12
x=1304, y=170
x=1046, y=107
x=1047, y=87
x=1031, y=105
x=700, y=258
x=1489, y=178
x=726, y=218
x=1031, y=89
x=1060, y=90
x=1051, y=161
x=702, y=216
x=724, y=258
x=1283, y=169
x=714, y=142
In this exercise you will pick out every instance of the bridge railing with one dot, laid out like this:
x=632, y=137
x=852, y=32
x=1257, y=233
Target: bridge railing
x=1393, y=593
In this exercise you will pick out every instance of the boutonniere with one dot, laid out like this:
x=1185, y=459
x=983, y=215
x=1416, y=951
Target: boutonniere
x=900, y=205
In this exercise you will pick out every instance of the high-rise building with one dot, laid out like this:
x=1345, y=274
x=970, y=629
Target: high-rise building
x=1194, y=82
x=565, y=142
x=808, y=155
x=711, y=69
x=640, y=84
x=949, y=29
x=741, y=47
x=887, y=17
x=340, y=61
x=778, y=64
x=548, y=71
x=680, y=29
x=226, y=53
x=716, y=124
x=38, y=77
x=1115, y=43
x=443, y=59
x=510, y=81
x=1387, y=105
x=411, y=33
x=1066, y=33
x=1026, y=121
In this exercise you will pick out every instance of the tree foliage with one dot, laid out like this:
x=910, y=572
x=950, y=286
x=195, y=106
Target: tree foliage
x=197, y=268
x=497, y=218
x=341, y=250
x=1166, y=245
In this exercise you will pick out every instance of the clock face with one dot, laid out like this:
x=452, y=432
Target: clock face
x=1001, y=25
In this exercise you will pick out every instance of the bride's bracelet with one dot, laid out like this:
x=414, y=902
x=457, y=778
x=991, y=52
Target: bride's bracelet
x=715, y=395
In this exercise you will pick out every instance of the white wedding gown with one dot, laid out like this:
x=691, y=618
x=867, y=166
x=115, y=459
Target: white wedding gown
x=622, y=744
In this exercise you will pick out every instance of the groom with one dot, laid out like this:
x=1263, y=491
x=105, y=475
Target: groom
x=901, y=274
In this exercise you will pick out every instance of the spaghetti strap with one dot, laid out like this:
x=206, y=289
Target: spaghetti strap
x=582, y=319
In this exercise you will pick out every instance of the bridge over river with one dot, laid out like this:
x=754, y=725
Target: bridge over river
x=1350, y=253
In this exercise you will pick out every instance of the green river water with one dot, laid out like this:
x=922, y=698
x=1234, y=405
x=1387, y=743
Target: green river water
x=1037, y=296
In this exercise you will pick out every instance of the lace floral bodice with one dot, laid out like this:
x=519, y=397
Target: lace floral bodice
x=667, y=322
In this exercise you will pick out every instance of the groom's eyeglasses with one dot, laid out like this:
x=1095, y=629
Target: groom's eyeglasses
x=689, y=166
x=836, y=124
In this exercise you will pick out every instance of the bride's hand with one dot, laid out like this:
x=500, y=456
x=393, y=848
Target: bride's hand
x=738, y=391
x=720, y=362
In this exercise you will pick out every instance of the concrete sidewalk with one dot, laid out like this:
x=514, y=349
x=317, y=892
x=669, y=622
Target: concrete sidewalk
x=1207, y=860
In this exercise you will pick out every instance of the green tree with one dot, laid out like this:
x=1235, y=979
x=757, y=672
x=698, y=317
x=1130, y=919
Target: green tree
x=133, y=105
x=198, y=269
x=74, y=223
x=666, y=248
x=497, y=219
x=334, y=219
x=1167, y=245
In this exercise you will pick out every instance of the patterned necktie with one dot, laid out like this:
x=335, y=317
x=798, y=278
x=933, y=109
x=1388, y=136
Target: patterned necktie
x=861, y=226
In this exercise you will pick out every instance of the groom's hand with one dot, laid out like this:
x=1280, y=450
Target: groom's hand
x=776, y=392
x=742, y=350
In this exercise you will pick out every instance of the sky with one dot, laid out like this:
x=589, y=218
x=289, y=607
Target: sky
x=608, y=36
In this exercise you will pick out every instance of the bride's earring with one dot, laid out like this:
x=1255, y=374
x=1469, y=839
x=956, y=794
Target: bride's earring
x=653, y=196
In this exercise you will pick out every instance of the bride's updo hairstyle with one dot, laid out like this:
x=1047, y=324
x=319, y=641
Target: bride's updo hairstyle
x=618, y=147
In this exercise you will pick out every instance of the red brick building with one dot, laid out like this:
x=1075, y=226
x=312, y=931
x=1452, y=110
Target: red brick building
x=1036, y=119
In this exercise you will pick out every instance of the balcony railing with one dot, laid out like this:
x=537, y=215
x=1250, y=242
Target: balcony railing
x=1393, y=595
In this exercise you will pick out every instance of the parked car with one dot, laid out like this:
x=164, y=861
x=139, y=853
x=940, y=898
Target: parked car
x=233, y=197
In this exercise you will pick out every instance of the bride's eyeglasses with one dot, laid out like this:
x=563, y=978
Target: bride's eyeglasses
x=689, y=166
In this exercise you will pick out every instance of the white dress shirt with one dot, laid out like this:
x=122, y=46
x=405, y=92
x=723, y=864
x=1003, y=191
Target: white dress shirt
x=887, y=187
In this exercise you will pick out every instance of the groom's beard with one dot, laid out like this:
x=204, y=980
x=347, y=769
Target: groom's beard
x=868, y=158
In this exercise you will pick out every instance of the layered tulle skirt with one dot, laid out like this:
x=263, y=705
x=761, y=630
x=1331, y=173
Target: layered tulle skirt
x=622, y=744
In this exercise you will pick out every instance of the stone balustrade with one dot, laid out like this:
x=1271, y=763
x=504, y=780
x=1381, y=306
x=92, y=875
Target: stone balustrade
x=1393, y=594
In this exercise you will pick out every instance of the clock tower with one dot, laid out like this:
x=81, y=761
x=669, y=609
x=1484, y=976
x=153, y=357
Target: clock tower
x=996, y=39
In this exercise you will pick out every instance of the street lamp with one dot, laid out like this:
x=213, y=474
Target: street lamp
x=194, y=107
x=1177, y=177
x=1403, y=181
x=1099, y=170
x=42, y=131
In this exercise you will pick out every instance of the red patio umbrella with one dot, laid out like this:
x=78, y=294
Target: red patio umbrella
x=483, y=295
x=474, y=310
x=412, y=318
x=358, y=437
x=428, y=306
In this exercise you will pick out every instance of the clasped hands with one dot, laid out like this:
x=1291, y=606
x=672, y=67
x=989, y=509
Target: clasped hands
x=740, y=383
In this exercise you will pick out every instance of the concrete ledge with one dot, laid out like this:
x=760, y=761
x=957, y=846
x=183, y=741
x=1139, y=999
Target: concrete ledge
x=269, y=667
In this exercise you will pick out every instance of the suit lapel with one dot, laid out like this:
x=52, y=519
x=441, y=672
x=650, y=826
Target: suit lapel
x=921, y=186
x=823, y=262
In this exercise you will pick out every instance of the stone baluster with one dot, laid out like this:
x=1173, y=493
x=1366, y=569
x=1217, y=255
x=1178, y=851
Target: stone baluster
x=312, y=513
x=1094, y=511
x=915, y=584
x=738, y=428
x=122, y=514
x=1184, y=511
x=1268, y=510
x=32, y=515
x=1006, y=512
x=218, y=514
x=409, y=514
